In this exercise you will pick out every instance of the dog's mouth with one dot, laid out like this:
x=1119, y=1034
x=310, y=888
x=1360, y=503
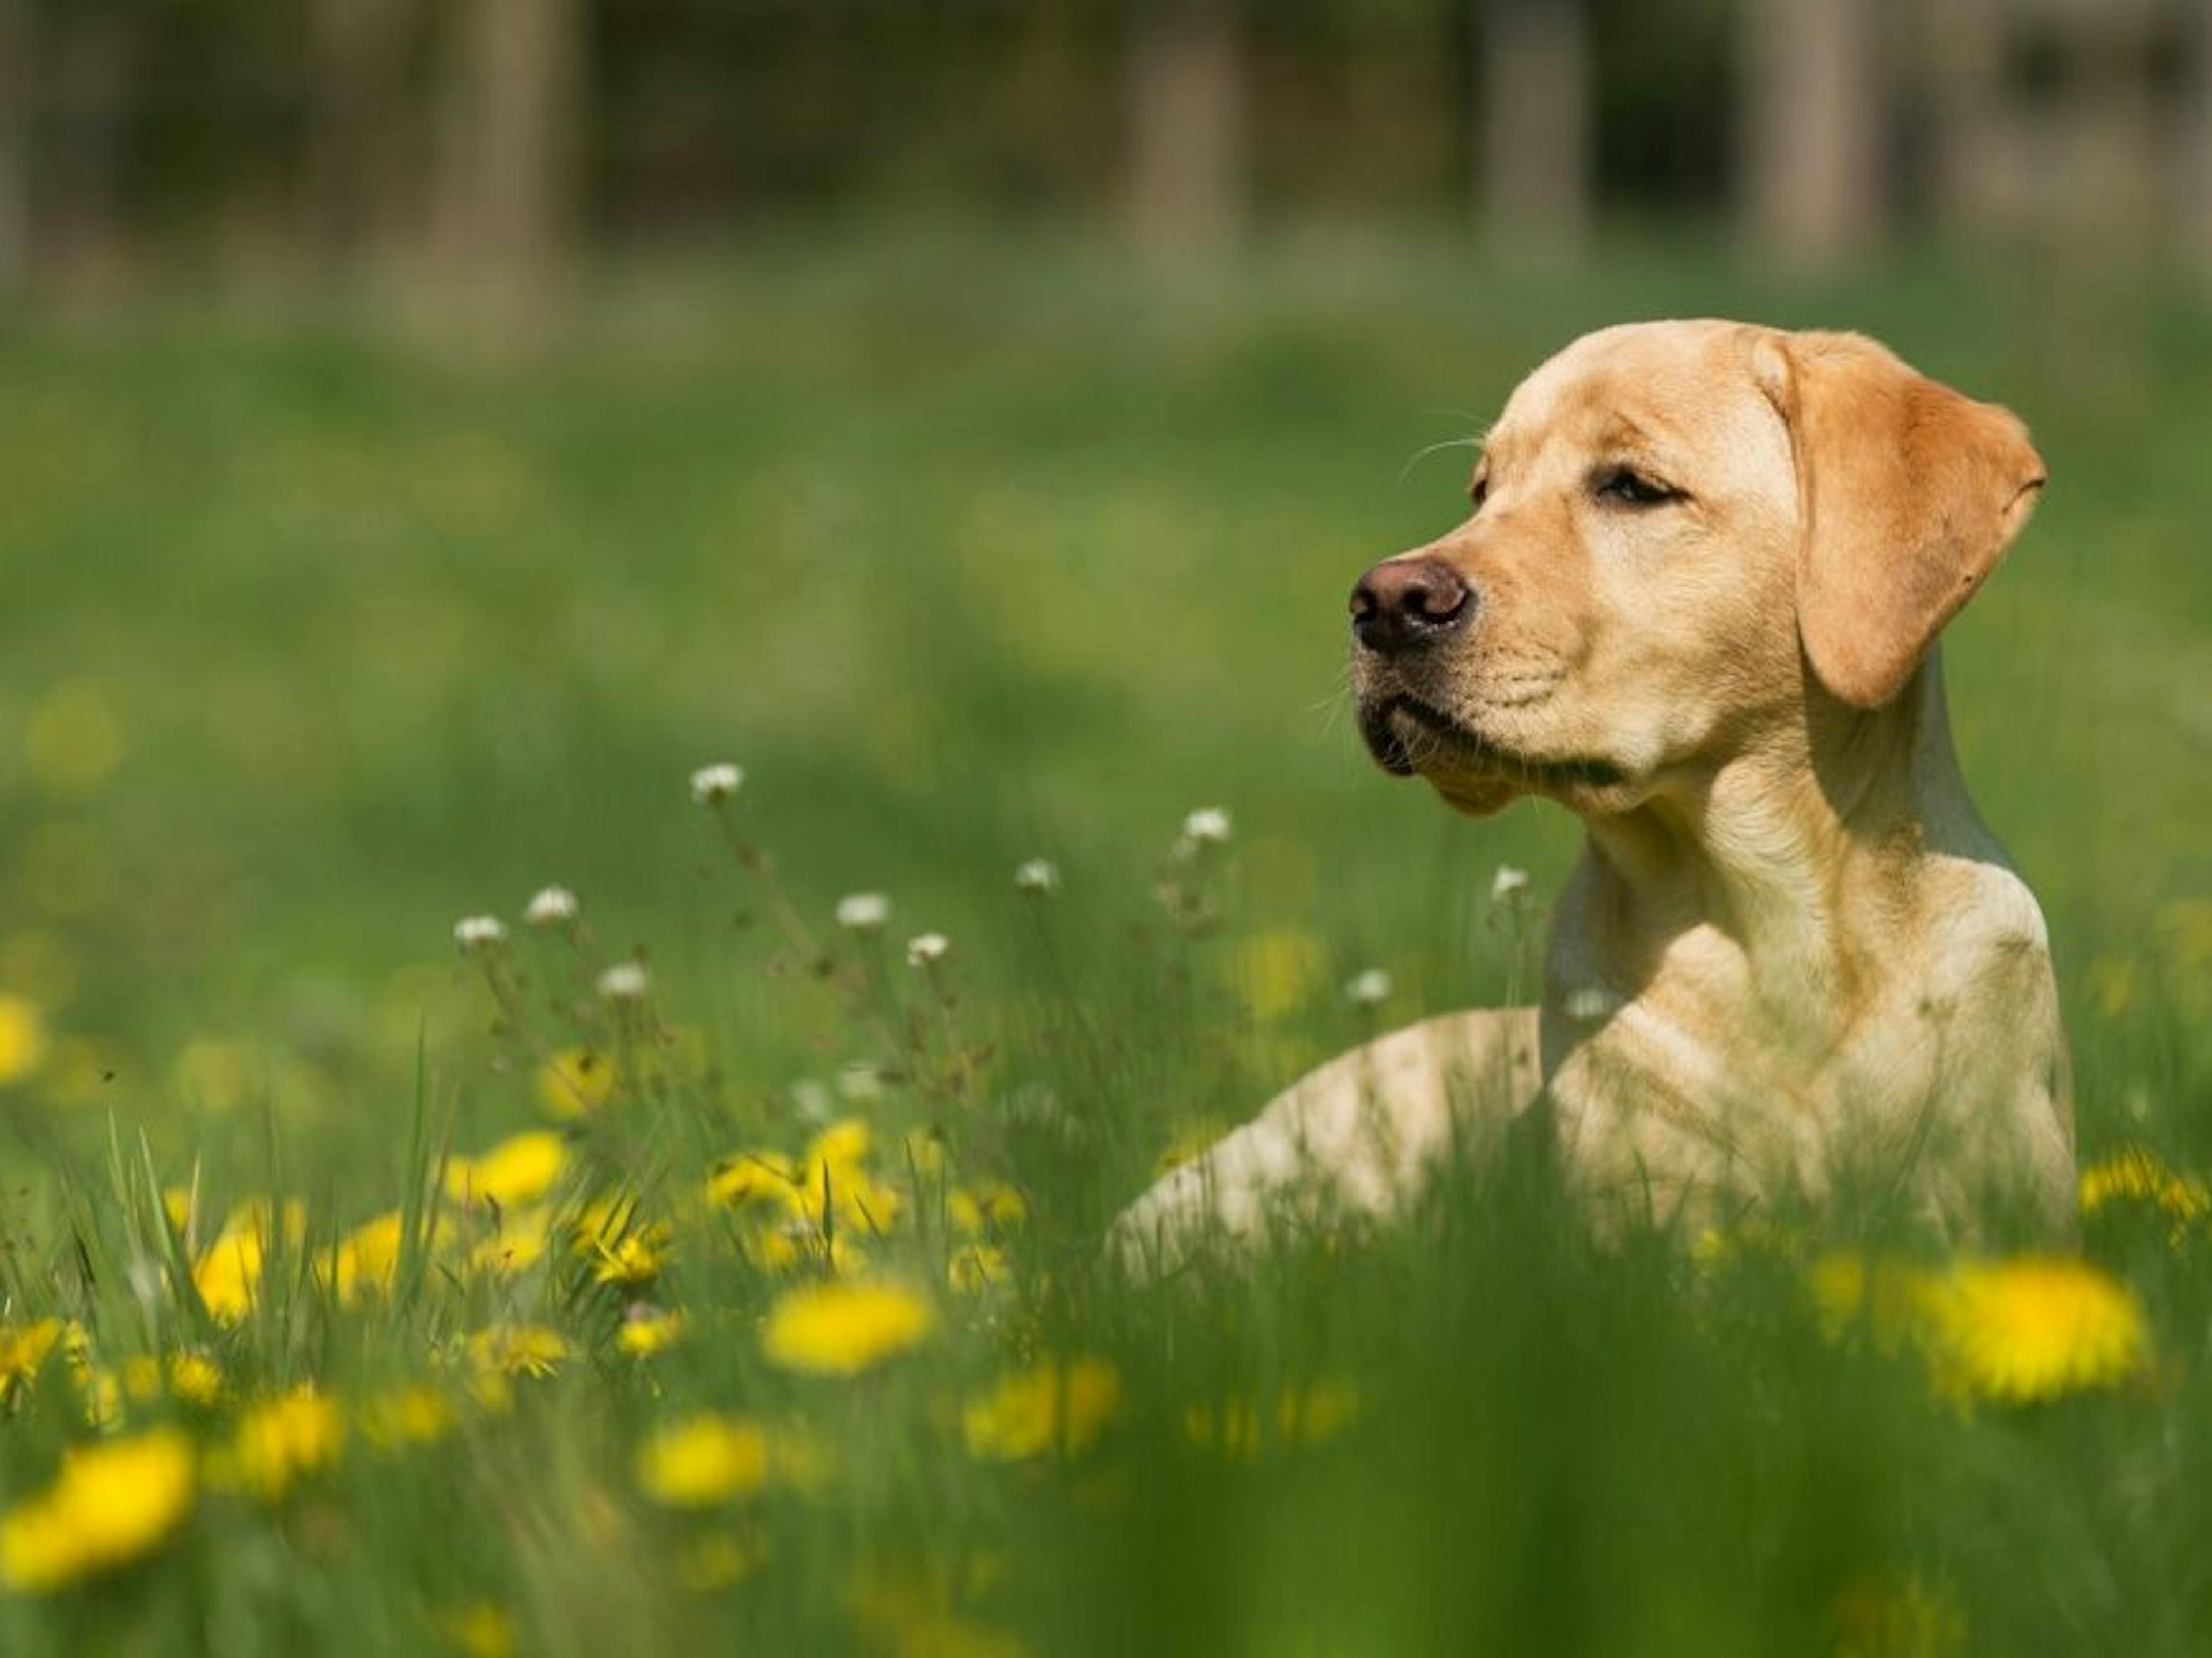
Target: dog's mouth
x=1408, y=736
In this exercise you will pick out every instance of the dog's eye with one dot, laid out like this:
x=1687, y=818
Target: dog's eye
x=1477, y=492
x=1631, y=487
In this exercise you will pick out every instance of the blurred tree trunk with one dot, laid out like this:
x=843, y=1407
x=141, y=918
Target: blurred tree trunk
x=1186, y=183
x=1533, y=108
x=509, y=120
x=16, y=118
x=361, y=143
x=1813, y=117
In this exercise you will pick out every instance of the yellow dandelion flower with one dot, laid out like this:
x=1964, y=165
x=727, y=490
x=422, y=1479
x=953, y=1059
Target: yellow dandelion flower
x=756, y=1177
x=649, y=1330
x=842, y=1329
x=23, y=1038
x=112, y=1503
x=23, y=1349
x=279, y=1443
x=575, y=1082
x=716, y=1558
x=412, y=1414
x=985, y=1208
x=975, y=1267
x=925, y=1153
x=518, y=1171
x=142, y=1378
x=635, y=1258
x=2034, y=1328
x=195, y=1381
x=2134, y=1175
x=514, y=1350
x=476, y=1629
x=228, y=1275
x=842, y=1147
x=515, y=1245
x=1052, y=1407
x=368, y=1257
x=703, y=1460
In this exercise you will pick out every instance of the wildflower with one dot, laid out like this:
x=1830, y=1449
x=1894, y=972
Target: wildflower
x=842, y=1329
x=1886, y=1297
x=23, y=1349
x=634, y=1257
x=1051, y=1408
x=975, y=1267
x=863, y=912
x=369, y=1257
x=647, y=1330
x=1208, y=823
x=23, y=1038
x=1038, y=877
x=1508, y=884
x=413, y=1414
x=111, y=1504
x=512, y=1350
x=477, y=1629
x=1369, y=989
x=703, y=1460
x=576, y=1081
x=985, y=1206
x=2034, y=1328
x=516, y=1244
x=625, y=981
x=550, y=907
x=756, y=1177
x=521, y=1170
x=228, y=1275
x=194, y=1379
x=477, y=934
x=2134, y=1175
x=280, y=1442
x=927, y=949
x=712, y=784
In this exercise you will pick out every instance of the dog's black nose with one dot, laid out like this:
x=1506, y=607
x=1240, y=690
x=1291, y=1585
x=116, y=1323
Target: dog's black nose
x=1405, y=602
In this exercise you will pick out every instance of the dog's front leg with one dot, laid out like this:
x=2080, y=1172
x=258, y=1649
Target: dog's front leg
x=1356, y=1134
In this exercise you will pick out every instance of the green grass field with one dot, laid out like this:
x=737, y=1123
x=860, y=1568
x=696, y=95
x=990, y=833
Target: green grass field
x=323, y=632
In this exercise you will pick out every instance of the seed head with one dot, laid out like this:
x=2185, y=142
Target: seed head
x=475, y=934
x=1039, y=875
x=927, y=950
x=863, y=912
x=1206, y=823
x=1508, y=883
x=712, y=783
x=625, y=981
x=1369, y=989
x=550, y=907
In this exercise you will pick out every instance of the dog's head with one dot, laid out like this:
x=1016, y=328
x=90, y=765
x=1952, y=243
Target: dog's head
x=1682, y=531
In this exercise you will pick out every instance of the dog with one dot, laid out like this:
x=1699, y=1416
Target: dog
x=1696, y=603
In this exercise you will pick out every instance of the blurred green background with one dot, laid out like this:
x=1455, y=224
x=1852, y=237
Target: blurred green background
x=427, y=432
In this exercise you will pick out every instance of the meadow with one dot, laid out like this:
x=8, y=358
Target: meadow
x=690, y=1260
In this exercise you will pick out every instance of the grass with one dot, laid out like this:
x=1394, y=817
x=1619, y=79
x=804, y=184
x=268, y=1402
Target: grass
x=322, y=634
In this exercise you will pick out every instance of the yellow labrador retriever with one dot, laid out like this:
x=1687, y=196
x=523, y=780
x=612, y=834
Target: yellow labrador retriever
x=1696, y=604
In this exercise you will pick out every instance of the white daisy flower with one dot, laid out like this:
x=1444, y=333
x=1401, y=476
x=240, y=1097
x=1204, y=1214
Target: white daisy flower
x=1039, y=875
x=713, y=783
x=478, y=933
x=927, y=949
x=1508, y=882
x=625, y=981
x=1206, y=823
x=863, y=912
x=1369, y=989
x=550, y=907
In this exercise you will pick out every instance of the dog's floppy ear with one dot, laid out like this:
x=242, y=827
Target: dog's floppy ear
x=1908, y=492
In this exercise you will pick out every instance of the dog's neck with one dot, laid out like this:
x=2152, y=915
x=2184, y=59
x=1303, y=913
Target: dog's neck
x=1781, y=853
